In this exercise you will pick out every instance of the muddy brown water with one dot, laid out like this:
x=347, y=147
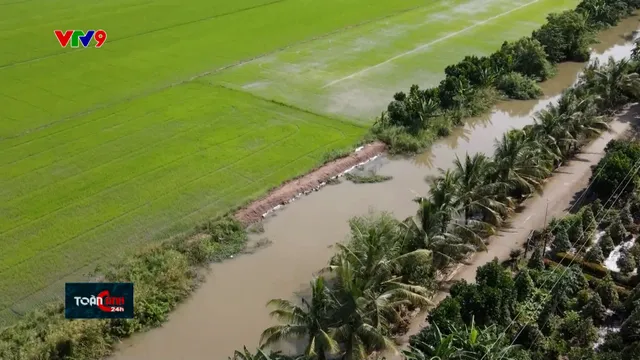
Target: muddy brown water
x=229, y=311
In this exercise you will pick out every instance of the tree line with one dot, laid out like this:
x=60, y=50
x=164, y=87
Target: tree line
x=414, y=119
x=546, y=307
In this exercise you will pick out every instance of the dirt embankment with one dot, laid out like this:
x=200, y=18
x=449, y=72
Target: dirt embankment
x=306, y=183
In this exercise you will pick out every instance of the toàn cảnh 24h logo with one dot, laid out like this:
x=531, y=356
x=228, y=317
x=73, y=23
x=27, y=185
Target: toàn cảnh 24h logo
x=98, y=301
x=77, y=37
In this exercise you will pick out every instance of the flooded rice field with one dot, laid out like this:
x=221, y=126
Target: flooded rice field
x=229, y=311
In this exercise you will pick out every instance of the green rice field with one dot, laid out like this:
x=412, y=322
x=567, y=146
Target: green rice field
x=190, y=109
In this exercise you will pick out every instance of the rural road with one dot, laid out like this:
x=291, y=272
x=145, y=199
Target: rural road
x=559, y=192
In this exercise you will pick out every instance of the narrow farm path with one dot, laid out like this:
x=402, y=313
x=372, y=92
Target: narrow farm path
x=560, y=192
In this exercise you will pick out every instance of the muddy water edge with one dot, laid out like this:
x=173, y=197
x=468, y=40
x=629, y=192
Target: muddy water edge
x=228, y=311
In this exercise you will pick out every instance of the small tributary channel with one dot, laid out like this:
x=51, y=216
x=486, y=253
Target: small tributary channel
x=228, y=311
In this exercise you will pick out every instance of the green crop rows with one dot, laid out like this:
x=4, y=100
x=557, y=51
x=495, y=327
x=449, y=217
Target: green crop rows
x=177, y=119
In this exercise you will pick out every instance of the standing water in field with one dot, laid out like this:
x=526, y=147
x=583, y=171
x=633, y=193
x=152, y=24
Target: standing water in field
x=229, y=311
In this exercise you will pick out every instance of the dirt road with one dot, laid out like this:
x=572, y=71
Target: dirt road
x=559, y=193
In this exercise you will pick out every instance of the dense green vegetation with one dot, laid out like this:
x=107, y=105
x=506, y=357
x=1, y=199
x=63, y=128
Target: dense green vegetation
x=389, y=267
x=368, y=177
x=164, y=275
x=536, y=313
x=554, y=314
x=161, y=129
x=572, y=308
x=412, y=121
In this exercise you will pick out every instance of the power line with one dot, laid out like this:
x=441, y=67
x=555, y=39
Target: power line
x=553, y=228
x=605, y=210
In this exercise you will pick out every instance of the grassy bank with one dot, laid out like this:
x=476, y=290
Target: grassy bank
x=164, y=275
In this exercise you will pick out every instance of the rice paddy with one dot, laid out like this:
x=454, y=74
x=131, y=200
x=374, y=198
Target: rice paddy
x=190, y=110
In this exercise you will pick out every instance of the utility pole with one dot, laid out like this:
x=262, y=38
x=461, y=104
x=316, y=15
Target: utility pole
x=544, y=232
x=546, y=211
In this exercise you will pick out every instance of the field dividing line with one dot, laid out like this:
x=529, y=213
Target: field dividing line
x=188, y=79
x=423, y=46
x=234, y=88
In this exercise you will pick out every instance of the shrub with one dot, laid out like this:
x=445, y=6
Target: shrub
x=595, y=309
x=536, y=261
x=525, y=56
x=591, y=268
x=454, y=92
x=472, y=68
x=518, y=86
x=577, y=235
x=626, y=262
x=617, y=231
x=594, y=255
x=579, y=331
x=596, y=208
x=602, y=13
x=626, y=218
x=561, y=242
x=606, y=244
x=413, y=111
x=400, y=141
x=524, y=285
x=611, y=173
x=589, y=224
x=606, y=288
x=634, y=296
x=565, y=37
x=447, y=313
x=630, y=329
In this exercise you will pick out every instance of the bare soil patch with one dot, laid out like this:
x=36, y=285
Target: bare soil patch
x=306, y=183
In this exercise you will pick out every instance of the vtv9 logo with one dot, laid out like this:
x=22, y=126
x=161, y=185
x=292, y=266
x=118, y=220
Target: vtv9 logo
x=77, y=37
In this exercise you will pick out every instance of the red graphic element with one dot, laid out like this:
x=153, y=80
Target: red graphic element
x=63, y=38
x=102, y=296
x=100, y=37
x=107, y=301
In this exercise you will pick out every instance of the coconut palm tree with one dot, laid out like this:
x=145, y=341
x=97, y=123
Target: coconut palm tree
x=443, y=348
x=378, y=250
x=309, y=321
x=367, y=314
x=447, y=244
x=482, y=343
x=467, y=343
x=614, y=82
x=581, y=116
x=368, y=288
x=550, y=130
x=474, y=191
x=259, y=355
x=443, y=195
x=520, y=162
